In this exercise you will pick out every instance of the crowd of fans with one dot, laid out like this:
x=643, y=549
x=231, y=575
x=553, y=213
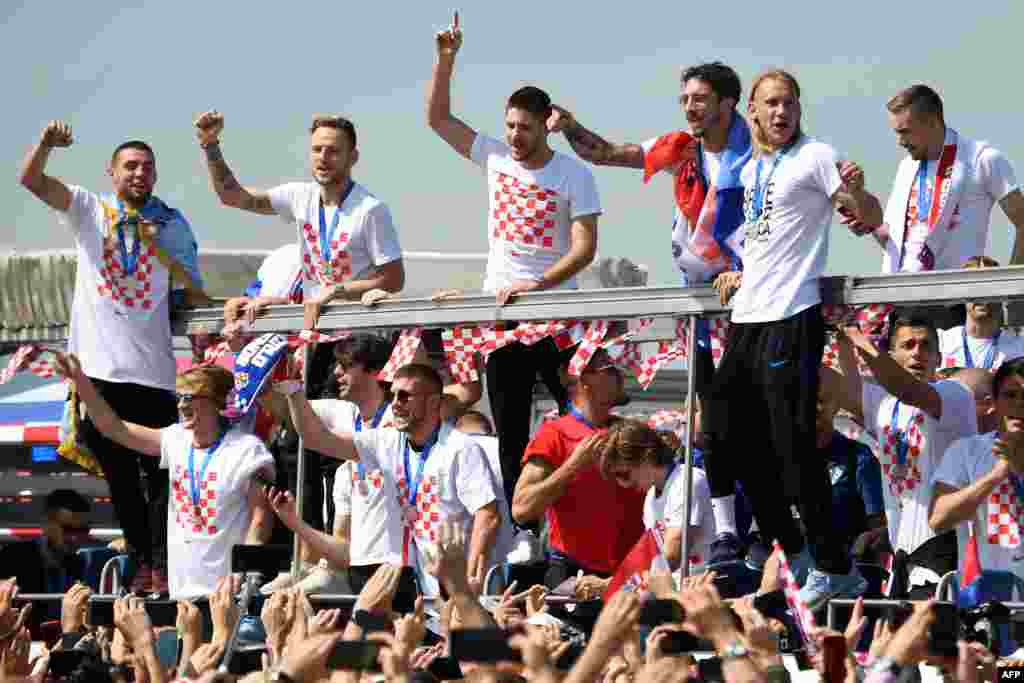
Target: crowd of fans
x=500, y=553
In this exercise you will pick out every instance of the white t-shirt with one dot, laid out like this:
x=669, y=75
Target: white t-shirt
x=365, y=236
x=143, y=353
x=951, y=344
x=199, y=550
x=989, y=178
x=907, y=515
x=506, y=531
x=681, y=226
x=967, y=461
x=530, y=211
x=367, y=495
x=667, y=511
x=454, y=483
x=280, y=273
x=784, y=251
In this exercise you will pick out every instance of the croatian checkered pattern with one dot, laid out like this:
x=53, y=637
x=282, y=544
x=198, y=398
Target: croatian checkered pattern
x=669, y=420
x=531, y=333
x=374, y=478
x=633, y=328
x=591, y=343
x=181, y=490
x=804, y=616
x=632, y=357
x=427, y=507
x=1004, y=516
x=403, y=353
x=906, y=477
x=27, y=358
x=460, y=346
x=523, y=213
x=314, y=265
x=649, y=366
x=129, y=292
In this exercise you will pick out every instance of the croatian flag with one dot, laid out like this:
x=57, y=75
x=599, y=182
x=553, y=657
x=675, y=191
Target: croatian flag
x=971, y=592
x=634, y=569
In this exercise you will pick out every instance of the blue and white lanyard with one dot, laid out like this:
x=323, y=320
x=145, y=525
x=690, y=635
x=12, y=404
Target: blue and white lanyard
x=373, y=425
x=194, y=483
x=414, y=484
x=990, y=355
x=325, y=234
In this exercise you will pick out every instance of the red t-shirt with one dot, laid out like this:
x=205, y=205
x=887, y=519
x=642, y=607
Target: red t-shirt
x=596, y=522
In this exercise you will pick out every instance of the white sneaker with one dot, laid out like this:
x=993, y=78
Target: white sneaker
x=525, y=548
x=325, y=579
x=285, y=581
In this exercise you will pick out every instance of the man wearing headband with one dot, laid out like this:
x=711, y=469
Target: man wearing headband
x=542, y=231
x=215, y=472
x=419, y=473
x=137, y=257
x=982, y=341
x=348, y=241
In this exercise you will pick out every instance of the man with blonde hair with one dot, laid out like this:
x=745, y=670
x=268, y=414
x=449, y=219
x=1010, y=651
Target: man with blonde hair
x=768, y=379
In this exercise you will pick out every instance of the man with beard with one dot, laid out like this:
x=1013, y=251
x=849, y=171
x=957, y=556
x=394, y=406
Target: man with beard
x=981, y=342
x=705, y=163
x=137, y=257
x=345, y=257
x=915, y=421
x=542, y=228
x=419, y=473
x=941, y=203
x=363, y=402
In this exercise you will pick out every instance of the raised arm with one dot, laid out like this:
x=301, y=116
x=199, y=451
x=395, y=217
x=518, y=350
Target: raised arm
x=229, y=191
x=1013, y=206
x=128, y=434
x=592, y=147
x=51, y=190
x=849, y=385
x=540, y=484
x=325, y=545
x=439, y=109
x=864, y=206
x=314, y=433
x=893, y=378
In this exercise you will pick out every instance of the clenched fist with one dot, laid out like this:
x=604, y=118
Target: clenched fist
x=208, y=127
x=56, y=134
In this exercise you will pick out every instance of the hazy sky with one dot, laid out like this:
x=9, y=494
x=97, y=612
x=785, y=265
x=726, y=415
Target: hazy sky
x=144, y=69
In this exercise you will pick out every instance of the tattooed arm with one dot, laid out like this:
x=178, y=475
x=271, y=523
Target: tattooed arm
x=591, y=146
x=228, y=189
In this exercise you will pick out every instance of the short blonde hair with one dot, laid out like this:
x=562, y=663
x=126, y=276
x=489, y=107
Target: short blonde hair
x=211, y=381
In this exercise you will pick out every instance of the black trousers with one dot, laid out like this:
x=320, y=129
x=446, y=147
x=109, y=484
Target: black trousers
x=511, y=377
x=405, y=596
x=139, y=489
x=761, y=415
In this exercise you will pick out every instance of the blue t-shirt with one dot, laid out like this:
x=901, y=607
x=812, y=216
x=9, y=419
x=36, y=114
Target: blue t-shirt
x=856, y=486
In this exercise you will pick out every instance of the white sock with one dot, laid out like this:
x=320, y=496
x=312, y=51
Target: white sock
x=724, y=509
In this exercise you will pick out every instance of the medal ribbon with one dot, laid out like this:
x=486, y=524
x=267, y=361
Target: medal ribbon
x=194, y=483
x=325, y=234
x=378, y=416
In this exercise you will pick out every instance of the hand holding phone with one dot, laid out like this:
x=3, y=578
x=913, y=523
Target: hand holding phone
x=483, y=645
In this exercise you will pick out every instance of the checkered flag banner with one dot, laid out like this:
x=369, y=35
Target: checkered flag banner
x=804, y=616
x=667, y=352
x=403, y=353
x=27, y=358
x=460, y=347
x=1004, y=516
x=592, y=341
